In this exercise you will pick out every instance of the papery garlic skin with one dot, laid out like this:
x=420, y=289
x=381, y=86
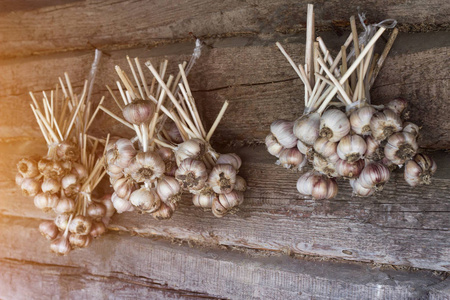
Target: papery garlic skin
x=30, y=187
x=205, y=198
x=191, y=174
x=225, y=202
x=334, y=125
x=146, y=167
x=121, y=205
x=283, y=132
x=169, y=190
x=138, y=111
x=49, y=230
x=230, y=159
x=273, y=147
x=292, y=158
x=61, y=245
x=384, y=124
x=192, y=148
x=28, y=168
x=374, y=175
x=360, y=120
x=145, y=199
x=351, y=148
x=222, y=179
x=80, y=225
x=348, y=169
x=46, y=201
x=306, y=128
x=359, y=190
x=400, y=147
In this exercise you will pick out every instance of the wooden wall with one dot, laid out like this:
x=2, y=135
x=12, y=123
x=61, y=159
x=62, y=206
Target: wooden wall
x=395, y=245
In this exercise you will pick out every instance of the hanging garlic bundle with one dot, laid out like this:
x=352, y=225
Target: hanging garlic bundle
x=211, y=177
x=348, y=138
x=64, y=179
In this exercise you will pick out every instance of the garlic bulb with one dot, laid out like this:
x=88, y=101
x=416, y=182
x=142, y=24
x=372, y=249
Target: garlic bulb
x=122, y=153
x=79, y=241
x=400, y=147
x=360, y=119
x=398, y=105
x=351, y=148
x=80, y=225
x=51, y=169
x=384, y=124
x=61, y=245
x=191, y=174
x=96, y=210
x=306, y=128
x=62, y=221
x=205, y=198
x=65, y=205
x=303, y=148
x=97, y=229
x=49, y=230
x=374, y=151
x=273, y=147
x=80, y=171
x=282, y=130
x=324, y=166
x=46, y=201
x=374, y=175
x=192, y=148
x=411, y=128
x=419, y=170
x=317, y=186
x=145, y=199
x=51, y=185
x=348, y=169
x=67, y=151
x=165, y=211
x=146, y=167
x=138, y=111
x=169, y=190
x=334, y=125
x=225, y=202
x=70, y=184
x=230, y=159
x=19, y=179
x=326, y=149
x=28, y=168
x=240, y=185
x=124, y=187
x=121, y=205
x=222, y=179
x=360, y=191
x=292, y=158
x=30, y=187
x=173, y=132
x=110, y=210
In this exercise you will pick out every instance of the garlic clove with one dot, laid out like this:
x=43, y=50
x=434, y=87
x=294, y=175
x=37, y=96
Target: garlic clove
x=292, y=158
x=230, y=159
x=351, y=148
x=80, y=225
x=61, y=245
x=192, y=148
x=121, y=205
x=28, y=168
x=30, y=187
x=348, y=169
x=222, y=179
x=145, y=199
x=334, y=125
x=46, y=201
x=240, y=185
x=306, y=128
x=138, y=111
x=273, y=147
x=169, y=190
x=282, y=130
x=360, y=120
x=384, y=124
x=419, y=170
x=191, y=174
x=400, y=147
x=49, y=230
x=166, y=154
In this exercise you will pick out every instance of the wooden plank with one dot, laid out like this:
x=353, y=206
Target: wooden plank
x=440, y=291
x=124, y=266
x=107, y=24
x=253, y=76
x=378, y=229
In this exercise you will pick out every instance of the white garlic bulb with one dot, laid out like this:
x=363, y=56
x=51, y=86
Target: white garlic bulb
x=419, y=170
x=96, y=210
x=65, y=205
x=398, y=105
x=348, y=169
x=80, y=225
x=106, y=201
x=51, y=185
x=400, y=147
x=121, y=205
x=384, y=124
x=326, y=149
x=70, y=184
x=273, y=147
x=359, y=190
x=169, y=190
x=122, y=153
x=19, y=179
x=225, y=202
x=292, y=158
x=193, y=148
x=374, y=151
x=411, y=128
x=62, y=221
x=30, y=187
x=80, y=171
x=46, y=201
x=49, y=230
x=351, y=148
x=317, y=186
x=139, y=111
x=98, y=228
x=205, y=198
x=146, y=167
x=334, y=125
x=360, y=119
x=61, y=245
x=283, y=132
x=191, y=174
x=28, y=168
x=306, y=128
x=145, y=199
x=79, y=241
x=374, y=175
x=222, y=179
x=165, y=211
x=230, y=159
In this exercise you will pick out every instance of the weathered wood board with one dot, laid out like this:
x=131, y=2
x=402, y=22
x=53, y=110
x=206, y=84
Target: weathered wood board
x=120, y=266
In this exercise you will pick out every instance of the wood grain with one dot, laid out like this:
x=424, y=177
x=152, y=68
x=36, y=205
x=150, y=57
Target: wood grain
x=112, y=25
x=376, y=229
x=121, y=266
x=252, y=75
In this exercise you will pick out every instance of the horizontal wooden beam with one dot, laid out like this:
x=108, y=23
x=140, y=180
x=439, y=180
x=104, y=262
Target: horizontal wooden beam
x=123, y=266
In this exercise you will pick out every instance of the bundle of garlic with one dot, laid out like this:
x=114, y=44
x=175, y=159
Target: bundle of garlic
x=63, y=180
x=348, y=138
x=211, y=177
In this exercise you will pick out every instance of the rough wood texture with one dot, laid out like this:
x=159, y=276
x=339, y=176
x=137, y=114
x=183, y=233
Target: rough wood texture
x=377, y=229
x=106, y=24
x=266, y=83
x=160, y=269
